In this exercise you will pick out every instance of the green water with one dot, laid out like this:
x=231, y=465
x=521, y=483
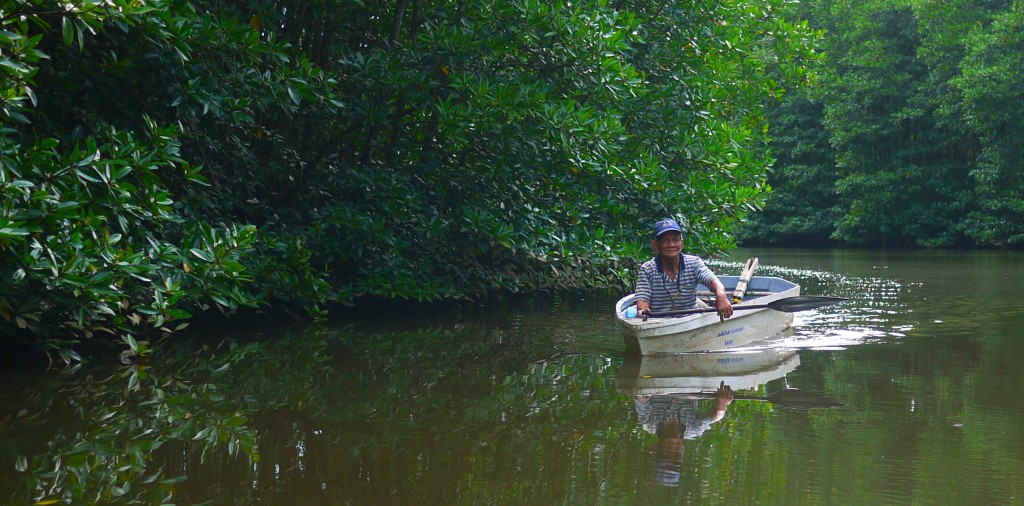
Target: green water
x=910, y=393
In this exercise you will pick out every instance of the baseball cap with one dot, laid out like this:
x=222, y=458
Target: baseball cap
x=666, y=225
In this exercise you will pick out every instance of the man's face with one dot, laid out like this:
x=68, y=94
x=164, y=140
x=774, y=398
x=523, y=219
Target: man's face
x=669, y=244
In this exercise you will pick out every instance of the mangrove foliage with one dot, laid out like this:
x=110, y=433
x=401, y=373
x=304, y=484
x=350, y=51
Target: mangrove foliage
x=912, y=135
x=162, y=159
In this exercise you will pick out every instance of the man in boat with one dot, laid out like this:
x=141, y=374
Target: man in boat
x=669, y=281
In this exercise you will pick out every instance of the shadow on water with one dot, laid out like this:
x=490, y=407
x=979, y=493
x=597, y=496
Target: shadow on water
x=532, y=402
x=319, y=414
x=132, y=430
x=323, y=417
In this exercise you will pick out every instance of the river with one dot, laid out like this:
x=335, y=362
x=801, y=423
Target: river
x=908, y=393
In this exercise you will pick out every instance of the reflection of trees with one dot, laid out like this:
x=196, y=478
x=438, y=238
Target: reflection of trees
x=947, y=405
x=366, y=417
x=431, y=417
x=135, y=434
x=472, y=417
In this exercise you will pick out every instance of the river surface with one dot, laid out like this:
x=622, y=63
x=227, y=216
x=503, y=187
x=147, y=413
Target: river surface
x=911, y=392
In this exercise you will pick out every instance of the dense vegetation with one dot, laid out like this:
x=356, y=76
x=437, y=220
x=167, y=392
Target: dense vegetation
x=164, y=158
x=912, y=136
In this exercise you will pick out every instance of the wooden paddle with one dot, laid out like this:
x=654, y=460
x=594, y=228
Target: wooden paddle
x=786, y=305
x=745, y=276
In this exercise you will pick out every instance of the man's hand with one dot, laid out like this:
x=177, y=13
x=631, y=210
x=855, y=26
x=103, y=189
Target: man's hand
x=723, y=397
x=722, y=401
x=722, y=305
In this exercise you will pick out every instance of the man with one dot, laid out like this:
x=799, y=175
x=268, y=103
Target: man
x=669, y=281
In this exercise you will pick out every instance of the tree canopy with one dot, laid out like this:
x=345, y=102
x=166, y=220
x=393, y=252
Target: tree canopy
x=163, y=158
x=911, y=134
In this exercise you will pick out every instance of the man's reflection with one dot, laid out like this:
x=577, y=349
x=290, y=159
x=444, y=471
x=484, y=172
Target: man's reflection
x=674, y=418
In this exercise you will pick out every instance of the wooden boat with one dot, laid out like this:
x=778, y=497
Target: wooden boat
x=704, y=331
x=697, y=373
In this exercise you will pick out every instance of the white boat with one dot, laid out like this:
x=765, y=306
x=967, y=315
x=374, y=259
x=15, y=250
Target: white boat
x=699, y=373
x=705, y=331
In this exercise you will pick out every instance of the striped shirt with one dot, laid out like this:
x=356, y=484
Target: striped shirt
x=652, y=412
x=664, y=294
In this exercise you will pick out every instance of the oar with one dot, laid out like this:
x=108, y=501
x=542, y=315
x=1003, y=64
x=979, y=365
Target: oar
x=789, y=398
x=745, y=276
x=786, y=305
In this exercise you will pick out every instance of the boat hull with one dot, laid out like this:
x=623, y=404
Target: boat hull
x=705, y=331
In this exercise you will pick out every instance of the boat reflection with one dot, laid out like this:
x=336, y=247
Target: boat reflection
x=701, y=373
x=678, y=397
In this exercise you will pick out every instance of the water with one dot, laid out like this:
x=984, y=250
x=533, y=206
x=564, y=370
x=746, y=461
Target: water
x=910, y=393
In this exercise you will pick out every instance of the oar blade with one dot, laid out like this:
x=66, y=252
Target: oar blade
x=799, y=400
x=803, y=303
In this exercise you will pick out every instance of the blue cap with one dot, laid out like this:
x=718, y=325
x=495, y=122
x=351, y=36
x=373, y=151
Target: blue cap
x=666, y=225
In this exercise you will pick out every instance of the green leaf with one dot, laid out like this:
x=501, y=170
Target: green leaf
x=174, y=481
x=15, y=67
x=68, y=30
x=202, y=255
x=14, y=232
x=130, y=341
x=219, y=299
x=17, y=116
